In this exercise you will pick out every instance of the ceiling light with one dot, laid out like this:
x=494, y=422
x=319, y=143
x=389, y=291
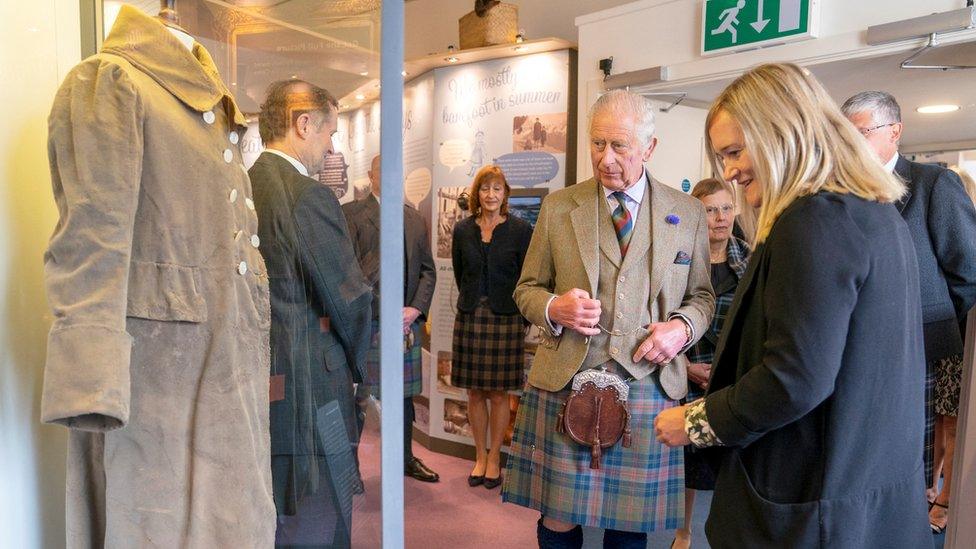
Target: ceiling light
x=937, y=109
x=403, y=73
x=364, y=73
x=519, y=48
x=360, y=96
x=451, y=59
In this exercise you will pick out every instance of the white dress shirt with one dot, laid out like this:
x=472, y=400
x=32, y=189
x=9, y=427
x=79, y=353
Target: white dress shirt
x=890, y=165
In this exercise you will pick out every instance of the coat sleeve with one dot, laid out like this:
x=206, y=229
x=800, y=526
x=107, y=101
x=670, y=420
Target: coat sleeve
x=95, y=149
x=457, y=256
x=326, y=254
x=952, y=231
x=698, y=303
x=816, y=268
x=428, y=272
x=538, y=279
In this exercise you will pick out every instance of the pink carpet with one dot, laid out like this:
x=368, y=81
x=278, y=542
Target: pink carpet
x=450, y=514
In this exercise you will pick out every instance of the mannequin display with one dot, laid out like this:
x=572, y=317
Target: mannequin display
x=158, y=357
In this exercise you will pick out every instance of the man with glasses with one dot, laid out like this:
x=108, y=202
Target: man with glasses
x=942, y=222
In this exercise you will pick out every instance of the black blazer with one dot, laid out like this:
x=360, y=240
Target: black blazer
x=363, y=217
x=509, y=242
x=942, y=222
x=313, y=274
x=817, y=389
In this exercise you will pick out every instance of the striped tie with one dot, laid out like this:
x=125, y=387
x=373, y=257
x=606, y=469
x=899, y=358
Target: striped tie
x=622, y=222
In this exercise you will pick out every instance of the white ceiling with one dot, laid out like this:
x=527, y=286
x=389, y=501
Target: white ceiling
x=913, y=88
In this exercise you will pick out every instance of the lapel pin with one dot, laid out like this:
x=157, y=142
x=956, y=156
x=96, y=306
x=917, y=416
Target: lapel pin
x=672, y=219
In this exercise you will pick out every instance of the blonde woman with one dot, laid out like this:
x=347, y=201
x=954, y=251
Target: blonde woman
x=815, y=398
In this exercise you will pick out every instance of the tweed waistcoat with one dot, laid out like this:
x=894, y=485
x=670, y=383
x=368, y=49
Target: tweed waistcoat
x=623, y=290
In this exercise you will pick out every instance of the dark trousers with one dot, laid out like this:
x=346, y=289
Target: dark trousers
x=408, y=417
x=573, y=539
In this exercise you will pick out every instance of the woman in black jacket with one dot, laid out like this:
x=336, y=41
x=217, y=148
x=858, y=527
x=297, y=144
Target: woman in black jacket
x=815, y=403
x=488, y=360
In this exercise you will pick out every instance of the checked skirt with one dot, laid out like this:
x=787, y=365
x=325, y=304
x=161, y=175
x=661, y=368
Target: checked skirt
x=489, y=350
x=636, y=489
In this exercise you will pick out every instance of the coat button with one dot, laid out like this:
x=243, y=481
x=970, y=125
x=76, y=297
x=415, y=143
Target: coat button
x=228, y=156
x=255, y=241
x=621, y=296
x=620, y=315
x=613, y=351
x=249, y=203
x=209, y=117
x=234, y=137
x=233, y=196
x=242, y=268
x=623, y=279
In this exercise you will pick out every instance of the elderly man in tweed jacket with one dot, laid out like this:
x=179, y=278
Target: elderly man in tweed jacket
x=617, y=276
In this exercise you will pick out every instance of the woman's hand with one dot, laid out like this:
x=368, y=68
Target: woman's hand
x=699, y=374
x=669, y=427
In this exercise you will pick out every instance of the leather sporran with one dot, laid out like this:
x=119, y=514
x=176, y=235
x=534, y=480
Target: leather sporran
x=595, y=414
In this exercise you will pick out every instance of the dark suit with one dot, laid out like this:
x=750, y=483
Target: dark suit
x=313, y=276
x=815, y=391
x=420, y=273
x=942, y=222
x=420, y=277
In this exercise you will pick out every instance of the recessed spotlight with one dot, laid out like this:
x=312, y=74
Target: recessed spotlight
x=451, y=59
x=519, y=48
x=294, y=76
x=360, y=96
x=403, y=73
x=937, y=109
x=364, y=73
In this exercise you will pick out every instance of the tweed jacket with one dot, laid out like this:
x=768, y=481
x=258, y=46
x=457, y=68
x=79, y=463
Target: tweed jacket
x=942, y=221
x=564, y=253
x=816, y=392
x=737, y=253
x=363, y=218
x=158, y=355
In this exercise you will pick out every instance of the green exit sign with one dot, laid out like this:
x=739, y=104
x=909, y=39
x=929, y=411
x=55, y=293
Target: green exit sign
x=732, y=25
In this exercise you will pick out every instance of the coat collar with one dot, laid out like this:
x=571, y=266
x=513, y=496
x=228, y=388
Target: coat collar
x=191, y=77
x=903, y=169
x=737, y=254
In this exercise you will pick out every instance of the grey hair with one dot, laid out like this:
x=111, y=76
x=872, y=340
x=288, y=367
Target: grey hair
x=882, y=106
x=625, y=103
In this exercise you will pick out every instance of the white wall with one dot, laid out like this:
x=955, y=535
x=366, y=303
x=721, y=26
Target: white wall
x=40, y=42
x=650, y=33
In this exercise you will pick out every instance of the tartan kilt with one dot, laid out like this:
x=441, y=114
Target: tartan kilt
x=488, y=350
x=636, y=489
x=413, y=377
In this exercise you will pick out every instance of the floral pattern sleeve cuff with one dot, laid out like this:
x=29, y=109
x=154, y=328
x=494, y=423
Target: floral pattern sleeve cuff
x=696, y=425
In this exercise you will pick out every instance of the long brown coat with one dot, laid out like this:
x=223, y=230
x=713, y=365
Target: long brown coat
x=158, y=358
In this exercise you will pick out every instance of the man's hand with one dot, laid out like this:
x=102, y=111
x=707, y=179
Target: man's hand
x=699, y=374
x=663, y=342
x=410, y=314
x=669, y=427
x=576, y=311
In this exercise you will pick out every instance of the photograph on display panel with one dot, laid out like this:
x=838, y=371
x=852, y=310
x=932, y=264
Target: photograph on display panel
x=540, y=132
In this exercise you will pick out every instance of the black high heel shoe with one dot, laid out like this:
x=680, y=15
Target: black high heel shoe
x=492, y=482
x=474, y=480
